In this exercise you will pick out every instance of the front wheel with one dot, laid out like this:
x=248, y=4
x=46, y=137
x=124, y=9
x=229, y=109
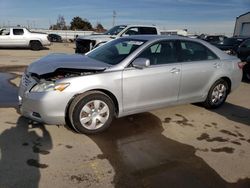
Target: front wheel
x=91, y=112
x=217, y=94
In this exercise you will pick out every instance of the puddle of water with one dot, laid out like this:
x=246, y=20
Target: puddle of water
x=8, y=92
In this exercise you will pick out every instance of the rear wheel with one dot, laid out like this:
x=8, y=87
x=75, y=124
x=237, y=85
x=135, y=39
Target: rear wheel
x=35, y=45
x=91, y=112
x=217, y=94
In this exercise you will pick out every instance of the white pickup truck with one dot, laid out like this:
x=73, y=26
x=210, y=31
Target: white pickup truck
x=22, y=37
x=87, y=43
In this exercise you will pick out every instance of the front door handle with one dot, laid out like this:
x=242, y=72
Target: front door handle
x=175, y=70
x=216, y=65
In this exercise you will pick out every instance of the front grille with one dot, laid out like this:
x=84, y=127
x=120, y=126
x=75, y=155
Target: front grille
x=26, y=81
x=83, y=45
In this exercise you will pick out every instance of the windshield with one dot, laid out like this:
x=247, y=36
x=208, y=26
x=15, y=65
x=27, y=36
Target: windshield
x=115, y=51
x=115, y=30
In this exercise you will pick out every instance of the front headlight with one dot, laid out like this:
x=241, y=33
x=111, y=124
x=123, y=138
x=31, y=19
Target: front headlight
x=49, y=86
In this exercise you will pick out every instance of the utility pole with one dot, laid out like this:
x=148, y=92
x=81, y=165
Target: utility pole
x=114, y=16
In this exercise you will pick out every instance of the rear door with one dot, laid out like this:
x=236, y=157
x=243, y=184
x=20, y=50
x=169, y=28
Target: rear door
x=199, y=65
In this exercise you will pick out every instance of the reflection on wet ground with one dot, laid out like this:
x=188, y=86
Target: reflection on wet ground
x=142, y=157
x=8, y=91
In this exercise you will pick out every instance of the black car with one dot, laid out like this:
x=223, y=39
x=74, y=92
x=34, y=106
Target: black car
x=54, y=38
x=231, y=44
x=246, y=70
x=243, y=50
x=214, y=39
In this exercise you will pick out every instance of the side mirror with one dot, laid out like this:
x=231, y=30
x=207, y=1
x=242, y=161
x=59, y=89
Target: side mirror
x=141, y=63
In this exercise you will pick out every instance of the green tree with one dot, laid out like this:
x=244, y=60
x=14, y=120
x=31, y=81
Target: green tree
x=99, y=28
x=81, y=24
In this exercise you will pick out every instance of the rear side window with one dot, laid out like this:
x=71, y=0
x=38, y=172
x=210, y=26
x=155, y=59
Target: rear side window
x=147, y=31
x=18, y=31
x=141, y=31
x=193, y=51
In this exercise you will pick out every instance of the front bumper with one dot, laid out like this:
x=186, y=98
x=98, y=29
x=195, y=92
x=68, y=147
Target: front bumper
x=45, y=107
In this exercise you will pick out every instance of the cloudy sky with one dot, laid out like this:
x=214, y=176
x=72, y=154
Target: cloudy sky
x=201, y=16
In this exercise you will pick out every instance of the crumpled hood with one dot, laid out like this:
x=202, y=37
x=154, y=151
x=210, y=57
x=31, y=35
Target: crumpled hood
x=52, y=62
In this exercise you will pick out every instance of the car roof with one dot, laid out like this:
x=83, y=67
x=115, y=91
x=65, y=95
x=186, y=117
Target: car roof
x=160, y=37
x=155, y=38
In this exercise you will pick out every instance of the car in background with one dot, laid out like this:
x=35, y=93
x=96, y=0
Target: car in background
x=18, y=37
x=54, y=37
x=214, y=39
x=243, y=50
x=126, y=76
x=230, y=45
x=246, y=70
x=87, y=43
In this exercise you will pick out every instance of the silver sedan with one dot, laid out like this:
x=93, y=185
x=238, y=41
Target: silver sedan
x=126, y=76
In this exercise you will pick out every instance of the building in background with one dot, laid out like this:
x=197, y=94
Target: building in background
x=242, y=25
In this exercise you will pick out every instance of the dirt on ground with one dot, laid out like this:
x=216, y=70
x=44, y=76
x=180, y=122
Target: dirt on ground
x=182, y=146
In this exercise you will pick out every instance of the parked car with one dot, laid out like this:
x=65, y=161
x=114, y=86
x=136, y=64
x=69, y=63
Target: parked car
x=21, y=37
x=87, y=43
x=54, y=38
x=126, y=76
x=243, y=50
x=215, y=39
x=230, y=45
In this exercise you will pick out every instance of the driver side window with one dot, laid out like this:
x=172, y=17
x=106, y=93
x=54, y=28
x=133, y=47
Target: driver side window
x=160, y=53
x=132, y=31
x=4, y=32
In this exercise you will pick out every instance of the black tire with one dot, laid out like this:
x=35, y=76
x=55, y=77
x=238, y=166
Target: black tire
x=80, y=102
x=211, y=102
x=35, y=45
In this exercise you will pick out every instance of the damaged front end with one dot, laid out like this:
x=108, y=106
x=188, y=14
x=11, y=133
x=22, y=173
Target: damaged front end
x=36, y=90
x=47, y=82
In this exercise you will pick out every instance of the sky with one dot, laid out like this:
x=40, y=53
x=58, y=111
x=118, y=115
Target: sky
x=198, y=16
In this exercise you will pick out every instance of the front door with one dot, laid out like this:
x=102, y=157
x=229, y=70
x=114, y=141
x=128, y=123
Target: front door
x=156, y=85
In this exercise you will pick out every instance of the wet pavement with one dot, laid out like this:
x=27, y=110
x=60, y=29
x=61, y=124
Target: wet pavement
x=8, y=91
x=184, y=146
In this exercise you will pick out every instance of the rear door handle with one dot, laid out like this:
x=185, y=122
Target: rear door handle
x=175, y=70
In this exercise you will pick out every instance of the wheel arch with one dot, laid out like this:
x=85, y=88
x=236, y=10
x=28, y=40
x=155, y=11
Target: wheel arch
x=108, y=93
x=35, y=40
x=229, y=82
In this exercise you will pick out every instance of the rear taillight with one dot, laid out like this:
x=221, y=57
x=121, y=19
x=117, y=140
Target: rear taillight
x=241, y=64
